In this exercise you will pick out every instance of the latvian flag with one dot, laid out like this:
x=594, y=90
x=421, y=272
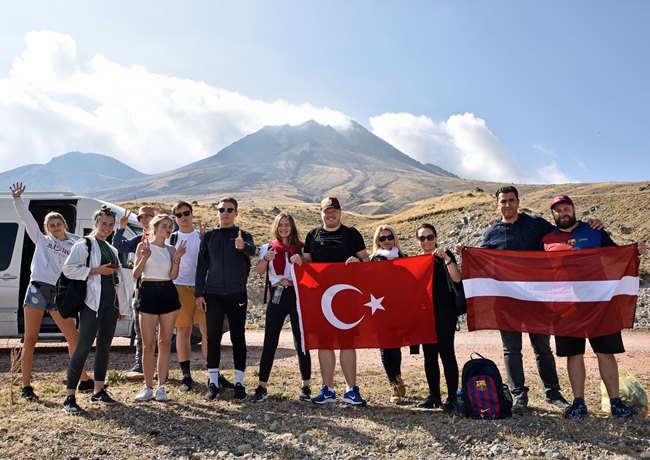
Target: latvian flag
x=586, y=293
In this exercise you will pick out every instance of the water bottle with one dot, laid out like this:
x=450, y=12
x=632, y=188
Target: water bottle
x=460, y=404
x=277, y=294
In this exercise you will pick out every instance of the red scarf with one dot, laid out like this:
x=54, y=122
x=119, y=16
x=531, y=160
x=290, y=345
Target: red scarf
x=280, y=262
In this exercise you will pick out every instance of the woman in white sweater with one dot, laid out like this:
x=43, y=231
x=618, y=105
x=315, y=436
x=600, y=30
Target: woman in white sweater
x=52, y=247
x=107, y=300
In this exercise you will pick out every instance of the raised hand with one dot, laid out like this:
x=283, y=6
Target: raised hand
x=144, y=249
x=124, y=220
x=17, y=189
x=270, y=255
x=239, y=241
x=180, y=250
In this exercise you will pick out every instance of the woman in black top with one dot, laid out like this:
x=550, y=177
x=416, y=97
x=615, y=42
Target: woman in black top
x=445, y=315
x=386, y=247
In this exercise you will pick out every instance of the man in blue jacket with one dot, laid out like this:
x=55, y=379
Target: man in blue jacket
x=220, y=290
x=521, y=232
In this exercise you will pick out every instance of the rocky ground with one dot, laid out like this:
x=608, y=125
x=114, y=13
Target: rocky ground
x=283, y=427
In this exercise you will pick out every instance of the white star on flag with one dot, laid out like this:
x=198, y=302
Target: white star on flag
x=375, y=304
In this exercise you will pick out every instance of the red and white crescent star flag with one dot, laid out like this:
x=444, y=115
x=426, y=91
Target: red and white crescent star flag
x=386, y=304
x=586, y=293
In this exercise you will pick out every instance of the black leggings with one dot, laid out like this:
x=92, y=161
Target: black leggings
x=391, y=358
x=100, y=325
x=232, y=306
x=445, y=330
x=275, y=316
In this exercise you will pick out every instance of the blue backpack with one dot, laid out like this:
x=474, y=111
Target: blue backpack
x=483, y=392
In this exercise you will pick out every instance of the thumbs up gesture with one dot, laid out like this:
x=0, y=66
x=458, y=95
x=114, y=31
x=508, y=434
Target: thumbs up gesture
x=239, y=241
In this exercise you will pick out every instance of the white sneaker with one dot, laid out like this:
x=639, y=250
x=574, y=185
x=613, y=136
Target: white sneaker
x=161, y=394
x=146, y=394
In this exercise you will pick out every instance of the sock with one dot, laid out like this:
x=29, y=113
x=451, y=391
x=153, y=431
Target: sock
x=214, y=376
x=239, y=377
x=185, y=368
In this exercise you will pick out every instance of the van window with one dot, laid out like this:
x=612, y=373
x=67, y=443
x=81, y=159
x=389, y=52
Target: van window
x=8, y=232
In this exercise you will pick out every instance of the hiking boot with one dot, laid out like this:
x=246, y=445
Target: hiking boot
x=144, y=395
x=449, y=406
x=354, y=397
x=556, y=399
x=225, y=383
x=212, y=393
x=136, y=372
x=395, y=395
x=325, y=396
x=400, y=385
x=305, y=394
x=186, y=384
x=102, y=398
x=28, y=394
x=161, y=394
x=620, y=409
x=260, y=394
x=240, y=392
x=577, y=410
x=70, y=405
x=520, y=404
x=87, y=386
x=430, y=403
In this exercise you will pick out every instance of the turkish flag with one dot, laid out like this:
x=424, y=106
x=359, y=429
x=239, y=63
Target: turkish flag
x=385, y=304
x=586, y=293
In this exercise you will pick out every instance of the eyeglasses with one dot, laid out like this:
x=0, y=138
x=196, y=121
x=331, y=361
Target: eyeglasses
x=383, y=238
x=181, y=214
x=230, y=210
x=426, y=238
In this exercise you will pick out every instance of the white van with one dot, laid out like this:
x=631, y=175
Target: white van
x=17, y=249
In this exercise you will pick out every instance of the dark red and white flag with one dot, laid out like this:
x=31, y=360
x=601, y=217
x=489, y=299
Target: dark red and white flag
x=586, y=293
x=386, y=304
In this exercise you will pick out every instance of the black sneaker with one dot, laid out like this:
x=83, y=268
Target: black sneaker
x=70, y=405
x=28, y=394
x=305, y=394
x=430, y=402
x=240, y=392
x=186, y=384
x=556, y=399
x=260, y=394
x=87, y=386
x=520, y=404
x=449, y=406
x=212, y=393
x=102, y=398
x=621, y=410
x=225, y=383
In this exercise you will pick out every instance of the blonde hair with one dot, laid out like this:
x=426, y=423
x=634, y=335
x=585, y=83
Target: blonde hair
x=375, y=238
x=51, y=216
x=157, y=219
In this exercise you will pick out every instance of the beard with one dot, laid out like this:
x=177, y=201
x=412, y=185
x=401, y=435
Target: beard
x=566, y=222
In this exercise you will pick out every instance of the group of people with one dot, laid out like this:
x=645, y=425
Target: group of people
x=189, y=277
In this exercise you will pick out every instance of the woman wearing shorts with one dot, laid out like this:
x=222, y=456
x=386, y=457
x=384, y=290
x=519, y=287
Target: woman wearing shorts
x=49, y=255
x=157, y=263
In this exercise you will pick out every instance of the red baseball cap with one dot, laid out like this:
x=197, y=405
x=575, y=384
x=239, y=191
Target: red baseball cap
x=561, y=199
x=330, y=202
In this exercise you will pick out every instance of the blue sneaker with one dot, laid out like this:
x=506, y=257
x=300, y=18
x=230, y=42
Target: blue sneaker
x=353, y=397
x=620, y=409
x=577, y=410
x=326, y=395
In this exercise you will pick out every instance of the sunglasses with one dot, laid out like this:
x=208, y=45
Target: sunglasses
x=181, y=214
x=426, y=238
x=230, y=210
x=383, y=238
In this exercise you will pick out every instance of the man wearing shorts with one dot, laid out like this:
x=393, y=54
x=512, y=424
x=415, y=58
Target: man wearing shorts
x=189, y=314
x=572, y=234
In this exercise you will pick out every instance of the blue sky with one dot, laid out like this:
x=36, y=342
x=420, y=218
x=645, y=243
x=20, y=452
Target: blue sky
x=511, y=91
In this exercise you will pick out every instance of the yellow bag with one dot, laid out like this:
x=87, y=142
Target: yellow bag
x=632, y=393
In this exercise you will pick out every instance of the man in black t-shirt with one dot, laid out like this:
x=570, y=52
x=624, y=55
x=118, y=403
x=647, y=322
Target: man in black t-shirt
x=334, y=242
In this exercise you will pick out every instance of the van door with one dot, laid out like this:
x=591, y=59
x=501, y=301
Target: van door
x=11, y=242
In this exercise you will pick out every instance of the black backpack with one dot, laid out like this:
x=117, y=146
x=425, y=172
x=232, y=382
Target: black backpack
x=483, y=392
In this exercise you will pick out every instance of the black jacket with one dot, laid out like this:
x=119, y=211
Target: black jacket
x=221, y=268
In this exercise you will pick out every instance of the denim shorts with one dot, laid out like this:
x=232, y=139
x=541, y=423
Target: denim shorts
x=40, y=295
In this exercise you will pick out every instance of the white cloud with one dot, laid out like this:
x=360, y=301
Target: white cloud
x=462, y=144
x=52, y=104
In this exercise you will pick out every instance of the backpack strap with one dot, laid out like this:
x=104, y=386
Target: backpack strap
x=89, y=246
x=267, y=283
